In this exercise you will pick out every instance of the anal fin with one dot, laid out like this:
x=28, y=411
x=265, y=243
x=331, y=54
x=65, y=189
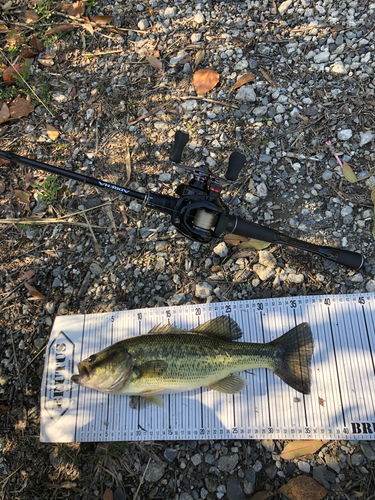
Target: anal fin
x=229, y=385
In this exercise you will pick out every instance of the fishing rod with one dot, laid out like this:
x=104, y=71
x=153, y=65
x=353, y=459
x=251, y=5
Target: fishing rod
x=198, y=212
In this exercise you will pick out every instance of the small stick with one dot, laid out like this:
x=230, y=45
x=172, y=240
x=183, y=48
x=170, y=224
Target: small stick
x=97, y=247
x=102, y=53
x=140, y=484
x=185, y=98
x=46, y=221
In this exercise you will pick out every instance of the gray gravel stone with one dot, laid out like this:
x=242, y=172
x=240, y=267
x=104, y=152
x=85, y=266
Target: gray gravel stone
x=368, y=451
x=267, y=259
x=177, y=59
x=333, y=464
x=319, y=476
x=262, y=190
x=196, y=459
x=154, y=472
x=246, y=94
x=304, y=467
x=366, y=137
x=227, y=463
x=170, y=454
x=203, y=290
x=234, y=490
x=357, y=459
x=345, y=135
x=263, y=272
x=96, y=269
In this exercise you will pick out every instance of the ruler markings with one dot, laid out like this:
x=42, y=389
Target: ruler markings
x=368, y=335
x=337, y=368
x=366, y=362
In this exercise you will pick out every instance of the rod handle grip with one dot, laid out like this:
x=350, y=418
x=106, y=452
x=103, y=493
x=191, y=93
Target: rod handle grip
x=180, y=141
x=236, y=162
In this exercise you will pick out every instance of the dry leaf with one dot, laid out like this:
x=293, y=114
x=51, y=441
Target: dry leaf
x=11, y=73
x=63, y=27
x=36, y=43
x=337, y=28
x=3, y=28
x=28, y=178
x=301, y=447
x=251, y=45
x=321, y=401
x=205, y=80
x=108, y=494
x=267, y=76
x=20, y=107
x=348, y=172
x=76, y=9
x=30, y=16
x=3, y=161
x=373, y=196
x=151, y=12
x=27, y=53
x=249, y=77
x=215, y=269
x=254, y=244
x=262, y=495
x=52, y=132
x=199, y=56
x=27, y=275
x=14, y=37
x=102, y=19
x=303, y=488
x=4, y=114
x=24, y=197
x=46, y=61
x=373, y=227
x=34, y=292
x=88, y=27
x=154, y=62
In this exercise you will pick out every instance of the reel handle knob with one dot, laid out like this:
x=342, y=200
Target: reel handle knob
x=180, y=141
x=236, y=162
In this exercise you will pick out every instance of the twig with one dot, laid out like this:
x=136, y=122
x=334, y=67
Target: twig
x=15, y=359
x=34, y=358
x=25, y=82
x=150, y=113
x=97, y=247
x=82, y=21
x=102, y=53
x=46, y=221
x=141, y=481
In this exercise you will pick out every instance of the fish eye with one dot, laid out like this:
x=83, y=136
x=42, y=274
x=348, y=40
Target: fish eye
x=92, y=358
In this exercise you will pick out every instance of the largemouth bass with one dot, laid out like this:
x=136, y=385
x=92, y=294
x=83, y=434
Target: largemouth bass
x=169, y=359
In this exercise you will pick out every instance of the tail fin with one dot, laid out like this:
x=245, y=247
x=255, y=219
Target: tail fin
x=296, y=348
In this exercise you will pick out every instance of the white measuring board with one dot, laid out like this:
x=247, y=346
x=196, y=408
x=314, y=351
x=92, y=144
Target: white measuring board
x=341, y=404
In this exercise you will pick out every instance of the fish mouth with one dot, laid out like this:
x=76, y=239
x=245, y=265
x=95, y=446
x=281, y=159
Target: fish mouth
x=84, y=374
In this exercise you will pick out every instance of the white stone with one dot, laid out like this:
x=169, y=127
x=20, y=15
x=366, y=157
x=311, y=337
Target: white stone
x=190, y=104
x=170, y=12
x=246, y=94
x=267, y=259
x=344, y=135
x=143, y=24
x=177, y=59
x=346, y=210
x=263, y=272
x=199, y=18
x=296, y=278
x=262, y=190
x=285, y=6
x=221, y=249
x=243, y=64
x=322, y=57
x=366, y=137
x=338, y=68
x=164, y=177
x=195, y=37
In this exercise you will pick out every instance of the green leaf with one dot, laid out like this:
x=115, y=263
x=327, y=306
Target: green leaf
x=348, y=172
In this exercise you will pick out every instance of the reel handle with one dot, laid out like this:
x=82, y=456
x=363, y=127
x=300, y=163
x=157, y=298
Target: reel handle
x=236, y=162
x=180, y=141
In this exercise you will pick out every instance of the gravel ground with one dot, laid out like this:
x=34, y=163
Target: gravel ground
x=314, y=82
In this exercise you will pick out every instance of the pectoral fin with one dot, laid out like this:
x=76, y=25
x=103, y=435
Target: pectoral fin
x=229, y=385
x=141, y=402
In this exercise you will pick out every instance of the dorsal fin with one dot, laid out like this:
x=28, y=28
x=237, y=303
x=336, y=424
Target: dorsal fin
x=165, y=329
x=223, y=327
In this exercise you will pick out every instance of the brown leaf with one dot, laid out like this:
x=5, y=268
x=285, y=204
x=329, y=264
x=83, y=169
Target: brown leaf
x=303, y=488
x=233, y=239
x=301, y=447
x=205, y=80
x=348, y=172
x=28, y=178
x=152, y=14
x=23, y=196
x=199, y=56
x=249, y=77
x=20, y=107
x=52, y=132
x=11, y=73
x=251, y=45
x=337, y=28
x=3, y=28
x=262, y=495
x=36, y=43
x=88, y=27
x=77, y=9
x=46, y=61
x=3, y=161
x=63, y=27
x=321, y=401
x=4, y=115
x=27, y=52
x=34, y=292
x=102, y=19
x=27, y=274
x=254, y=244
x=30, y=16
x=373, y=195
x=215, y=269
x=108, y=494
x=14, y=37
x=267, y=76
x=154, y=62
